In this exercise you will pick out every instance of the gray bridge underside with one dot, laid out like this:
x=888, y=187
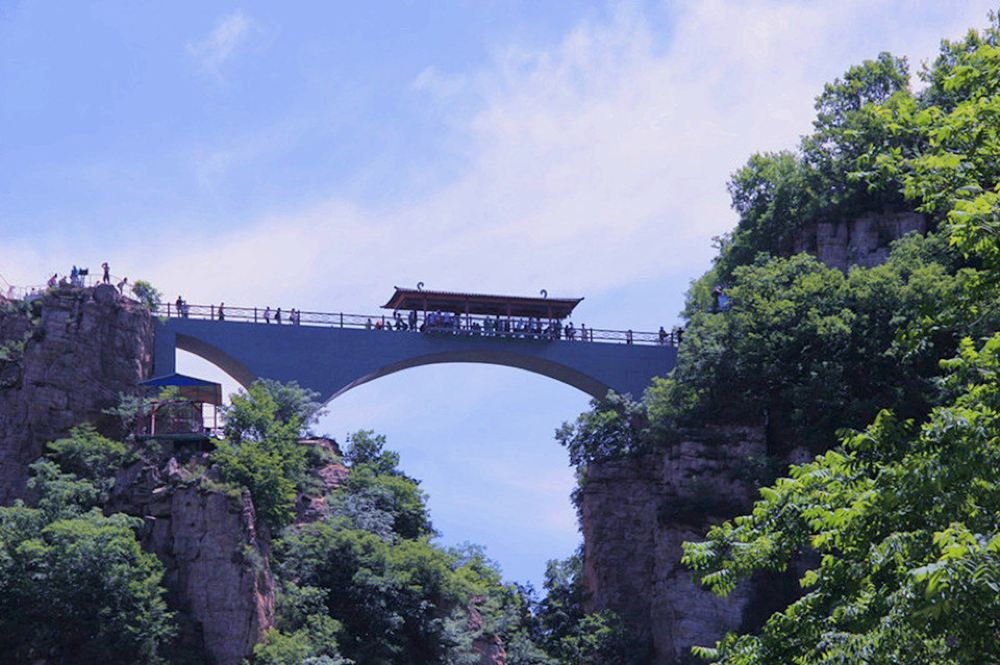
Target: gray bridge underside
x=334, y=360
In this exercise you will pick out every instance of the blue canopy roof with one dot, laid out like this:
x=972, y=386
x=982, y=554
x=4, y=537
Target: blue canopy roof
x=176, y=380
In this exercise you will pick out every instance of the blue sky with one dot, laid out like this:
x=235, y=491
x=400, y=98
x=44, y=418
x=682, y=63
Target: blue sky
x=315, y=154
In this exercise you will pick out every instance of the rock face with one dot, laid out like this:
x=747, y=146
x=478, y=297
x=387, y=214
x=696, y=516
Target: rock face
x=634, y=516
x=863, y=241
x=489, y=647
x=217, y=560
x=326, y=477
x=64, y=358
x=67, y=357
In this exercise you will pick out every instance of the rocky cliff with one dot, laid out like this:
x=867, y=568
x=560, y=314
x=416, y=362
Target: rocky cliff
x=217, y=558
x=636, y=513
x=862, y=241
x=64, y=358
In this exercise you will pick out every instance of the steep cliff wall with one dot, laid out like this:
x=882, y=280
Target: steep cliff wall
x=64, y=358
x=636, y=513
x=862, y=241
x=67, y=357
x=217, y=559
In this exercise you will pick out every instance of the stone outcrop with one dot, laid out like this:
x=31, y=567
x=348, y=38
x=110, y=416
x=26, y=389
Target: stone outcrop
x=64, y=358
x=326, y=476
x=217, y=560
x=634, y=516
x=489, y=647
x=67, y=356
x=863, y=241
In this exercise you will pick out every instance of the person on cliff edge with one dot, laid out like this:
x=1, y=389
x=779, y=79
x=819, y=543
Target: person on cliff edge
x=106, y=279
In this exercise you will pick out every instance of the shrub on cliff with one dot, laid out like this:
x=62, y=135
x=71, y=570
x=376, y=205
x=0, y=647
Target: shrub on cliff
x=614, y=427
x=147, y=294
x=89, y=455
x=261, y=451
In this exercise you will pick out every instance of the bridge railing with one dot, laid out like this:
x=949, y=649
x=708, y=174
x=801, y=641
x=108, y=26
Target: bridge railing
x=462, y=325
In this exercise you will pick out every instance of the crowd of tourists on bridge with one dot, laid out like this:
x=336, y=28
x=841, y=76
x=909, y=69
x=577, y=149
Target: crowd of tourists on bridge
x=458, y=324
x=449, y=323
x=512, y=327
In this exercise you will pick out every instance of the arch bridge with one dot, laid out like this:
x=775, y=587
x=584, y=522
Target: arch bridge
x=334, y=352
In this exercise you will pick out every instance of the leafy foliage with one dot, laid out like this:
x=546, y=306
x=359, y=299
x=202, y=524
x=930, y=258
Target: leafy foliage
x=798, y=333
x=906, y=522
x=905, y=519
x=74, y=584
x=614, y=427
x=261, y=451
x=147, y=294
x=89, y=455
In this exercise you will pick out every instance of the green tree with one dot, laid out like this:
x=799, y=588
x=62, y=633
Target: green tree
x=614, y=427
x=78, y=590
x=147, y=294
x=262, y=452
x=906, y=522
x=367, y=448
x=91, y=456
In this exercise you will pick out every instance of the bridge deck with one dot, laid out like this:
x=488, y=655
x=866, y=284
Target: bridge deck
x=460, y=324
x=332, y=353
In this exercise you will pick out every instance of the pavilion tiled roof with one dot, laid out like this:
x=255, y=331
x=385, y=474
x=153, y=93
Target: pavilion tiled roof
x=481, y=303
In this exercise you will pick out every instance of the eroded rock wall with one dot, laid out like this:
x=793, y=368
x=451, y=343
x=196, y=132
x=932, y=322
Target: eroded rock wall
x=67, y=357
x=635, y=514
x=217, y=560
x=862, y=241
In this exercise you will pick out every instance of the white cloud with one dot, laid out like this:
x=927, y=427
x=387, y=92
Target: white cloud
x=589, y=165
x=219, y=46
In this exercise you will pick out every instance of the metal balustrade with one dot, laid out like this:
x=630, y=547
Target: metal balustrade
x=460, y=324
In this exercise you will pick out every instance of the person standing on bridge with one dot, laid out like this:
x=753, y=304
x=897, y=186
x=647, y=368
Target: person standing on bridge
x=222, y=311
x=267, y=314
x=663, y=335
x=628, y=336
x=277, y=316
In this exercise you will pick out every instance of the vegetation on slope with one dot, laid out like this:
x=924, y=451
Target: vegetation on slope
x=74, y=584
x=367, y=584
x=904, y=516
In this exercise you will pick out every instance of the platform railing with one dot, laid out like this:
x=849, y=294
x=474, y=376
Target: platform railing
x=458, y=324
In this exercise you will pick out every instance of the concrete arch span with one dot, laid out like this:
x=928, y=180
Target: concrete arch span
x=331, y=361
x=552, y=370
